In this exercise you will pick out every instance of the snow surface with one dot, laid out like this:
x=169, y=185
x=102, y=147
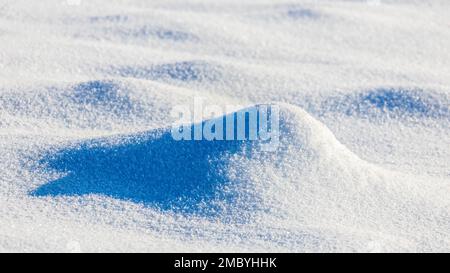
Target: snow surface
x=87, y=162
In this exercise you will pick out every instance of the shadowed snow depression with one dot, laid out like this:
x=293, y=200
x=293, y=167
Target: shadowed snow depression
x=323, y=126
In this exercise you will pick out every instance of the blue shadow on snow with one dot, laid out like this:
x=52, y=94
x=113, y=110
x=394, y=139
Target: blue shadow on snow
x=389, y=101
x=151, y=168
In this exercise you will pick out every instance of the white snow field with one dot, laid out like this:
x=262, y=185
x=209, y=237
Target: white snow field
x=87, y=163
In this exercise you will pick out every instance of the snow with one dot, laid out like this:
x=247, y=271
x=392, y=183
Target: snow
x=88, y=164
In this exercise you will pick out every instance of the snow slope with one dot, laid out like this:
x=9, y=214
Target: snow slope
x=87, y=161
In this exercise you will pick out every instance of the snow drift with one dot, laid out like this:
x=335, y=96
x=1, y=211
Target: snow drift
x=87, y=162
x=311, y=178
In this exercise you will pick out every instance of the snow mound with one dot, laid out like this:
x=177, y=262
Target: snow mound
x=183, y=175
x=90, y=104
x=390, y=102
x=311, y=177
x=187, y=71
